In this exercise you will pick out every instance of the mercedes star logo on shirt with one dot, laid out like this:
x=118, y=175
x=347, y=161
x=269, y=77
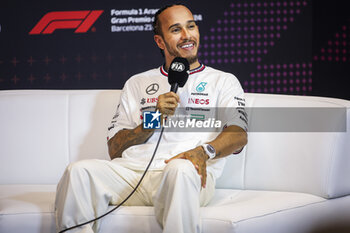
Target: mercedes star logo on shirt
x=153, y=88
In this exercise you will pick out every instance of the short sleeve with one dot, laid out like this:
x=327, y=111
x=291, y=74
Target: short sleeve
x=123, y=118
x=231, y=103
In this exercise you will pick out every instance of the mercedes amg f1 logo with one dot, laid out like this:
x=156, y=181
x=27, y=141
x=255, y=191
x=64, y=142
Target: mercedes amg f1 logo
x=152, y=89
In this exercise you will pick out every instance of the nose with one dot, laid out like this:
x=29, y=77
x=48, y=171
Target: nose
x=185, y=34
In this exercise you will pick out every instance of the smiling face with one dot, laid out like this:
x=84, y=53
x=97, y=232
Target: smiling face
x=179, y=35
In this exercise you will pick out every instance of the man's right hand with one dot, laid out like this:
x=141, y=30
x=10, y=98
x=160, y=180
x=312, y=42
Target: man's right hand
x=167, y=103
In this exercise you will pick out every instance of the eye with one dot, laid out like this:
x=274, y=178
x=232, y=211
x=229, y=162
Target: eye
x=192, y=26
x=175, y=30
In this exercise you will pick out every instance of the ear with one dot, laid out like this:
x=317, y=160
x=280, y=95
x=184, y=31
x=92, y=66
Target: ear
x=159, y=41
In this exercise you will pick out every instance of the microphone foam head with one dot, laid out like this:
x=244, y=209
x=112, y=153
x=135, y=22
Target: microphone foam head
x=178, y=71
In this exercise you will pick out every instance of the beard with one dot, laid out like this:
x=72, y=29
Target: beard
x=175, y=53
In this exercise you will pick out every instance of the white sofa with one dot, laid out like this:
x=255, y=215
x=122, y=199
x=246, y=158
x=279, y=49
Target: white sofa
x=282, y=182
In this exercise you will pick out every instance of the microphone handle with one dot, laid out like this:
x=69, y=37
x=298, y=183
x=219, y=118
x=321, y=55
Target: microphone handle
x=174, y=87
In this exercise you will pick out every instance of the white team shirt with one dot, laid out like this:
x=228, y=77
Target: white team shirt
x=206, y=88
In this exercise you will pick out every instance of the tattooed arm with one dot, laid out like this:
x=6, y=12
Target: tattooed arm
x=126, y=138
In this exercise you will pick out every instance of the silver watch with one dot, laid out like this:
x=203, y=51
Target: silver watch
x=209, y=150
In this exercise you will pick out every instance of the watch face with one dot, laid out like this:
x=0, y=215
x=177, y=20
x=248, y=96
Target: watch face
x=211, y=149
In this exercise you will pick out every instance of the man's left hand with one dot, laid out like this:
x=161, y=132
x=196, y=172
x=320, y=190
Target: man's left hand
x=199, y=158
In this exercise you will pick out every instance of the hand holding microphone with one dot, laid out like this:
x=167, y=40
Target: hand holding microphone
x=177, y=77
x=167, y=103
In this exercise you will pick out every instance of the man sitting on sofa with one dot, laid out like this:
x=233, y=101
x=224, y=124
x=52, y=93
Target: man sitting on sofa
x=182, y=175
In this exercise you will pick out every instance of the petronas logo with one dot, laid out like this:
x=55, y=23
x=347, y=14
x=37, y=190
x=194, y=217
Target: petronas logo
x=201, y=87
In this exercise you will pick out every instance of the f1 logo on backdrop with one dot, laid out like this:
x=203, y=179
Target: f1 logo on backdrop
x=81, y=20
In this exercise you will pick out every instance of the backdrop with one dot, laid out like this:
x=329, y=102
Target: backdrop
x=290, y=47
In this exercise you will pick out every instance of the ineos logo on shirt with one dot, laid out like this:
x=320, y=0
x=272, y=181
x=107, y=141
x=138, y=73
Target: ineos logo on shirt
x=152, y=89
x=177, y=66
x=198, y=101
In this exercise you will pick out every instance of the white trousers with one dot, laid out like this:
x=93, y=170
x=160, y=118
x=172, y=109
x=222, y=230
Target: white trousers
x=88, y=187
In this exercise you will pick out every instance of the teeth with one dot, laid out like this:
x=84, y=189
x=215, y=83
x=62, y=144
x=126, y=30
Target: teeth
x=187, y=45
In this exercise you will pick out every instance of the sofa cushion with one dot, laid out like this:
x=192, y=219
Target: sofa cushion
x=33, y=134
x=44, y=130
x=314, y=162
x=27, y=208
x=30, y=208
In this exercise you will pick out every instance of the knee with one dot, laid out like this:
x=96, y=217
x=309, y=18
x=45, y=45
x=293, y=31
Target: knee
x=80, y=167
x=180, y=166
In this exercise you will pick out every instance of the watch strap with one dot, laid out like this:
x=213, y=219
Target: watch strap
x=209, y=150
